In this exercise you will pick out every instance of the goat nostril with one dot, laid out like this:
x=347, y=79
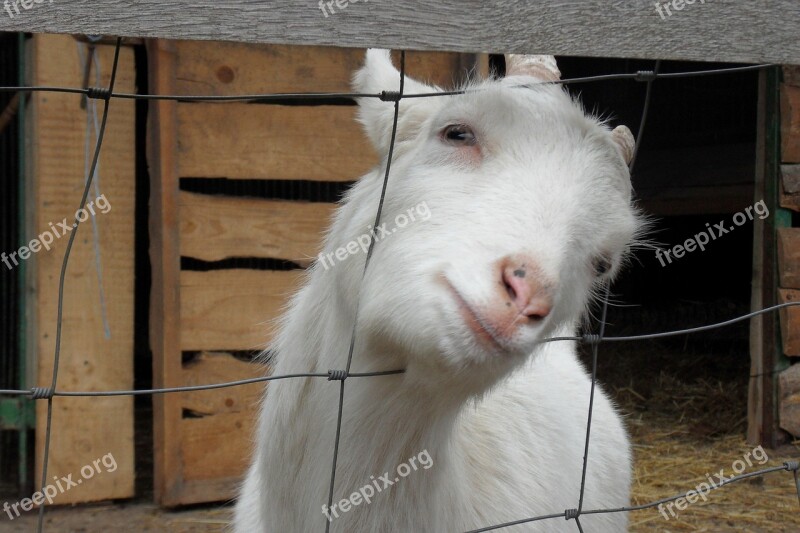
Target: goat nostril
x=510, y=290
x=538, y=309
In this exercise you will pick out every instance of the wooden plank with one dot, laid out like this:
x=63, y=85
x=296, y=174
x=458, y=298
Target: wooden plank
x=790, y=201
x=710, y=31
x=789, y=399
x=789, y=257
x=165, y=270
x=790, y=322
x=232, y=309
x=791, y=75
x=246, y=141
x=236, y=68
x=790, y=123
x=762, y=427
x=219, y=227
x=83, y=429
x=220, y=367
x=790, y=178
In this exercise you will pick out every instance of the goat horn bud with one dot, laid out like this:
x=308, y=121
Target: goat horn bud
x=625, y=142
x=542, y=67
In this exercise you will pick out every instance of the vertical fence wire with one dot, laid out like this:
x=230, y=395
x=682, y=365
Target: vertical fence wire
x=342, y=376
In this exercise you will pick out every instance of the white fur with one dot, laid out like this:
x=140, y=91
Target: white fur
x=505, y=431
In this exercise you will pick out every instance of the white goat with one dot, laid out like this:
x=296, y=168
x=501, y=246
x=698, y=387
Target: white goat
x=530, y=212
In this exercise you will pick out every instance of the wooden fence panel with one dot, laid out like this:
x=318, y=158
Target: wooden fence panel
x=203, y=315
x=83, y=429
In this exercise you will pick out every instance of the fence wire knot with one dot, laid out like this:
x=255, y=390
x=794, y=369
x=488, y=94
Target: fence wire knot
x=591, y=338
x=101, y=93
x=571, y=514
x=42, y=393
x=390, y=96
x=792, y=466
x=645, y=75
x=337, y=375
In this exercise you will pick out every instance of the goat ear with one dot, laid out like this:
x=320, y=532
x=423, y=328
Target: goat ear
x=625, y=142
x=377, y=75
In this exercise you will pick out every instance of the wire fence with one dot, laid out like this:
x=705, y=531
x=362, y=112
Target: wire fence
x=106, y=94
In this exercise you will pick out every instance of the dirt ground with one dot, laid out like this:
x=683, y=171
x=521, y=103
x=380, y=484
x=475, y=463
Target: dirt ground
x=686, y=411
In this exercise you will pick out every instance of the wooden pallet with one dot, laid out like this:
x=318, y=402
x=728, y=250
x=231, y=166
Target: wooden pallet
x=789, y=250
x=200, y=318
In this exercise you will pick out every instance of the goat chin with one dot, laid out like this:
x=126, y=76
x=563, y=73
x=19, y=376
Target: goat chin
x=507, y=209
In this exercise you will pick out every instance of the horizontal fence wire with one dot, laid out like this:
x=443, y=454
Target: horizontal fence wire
x=106, y=94
x=641, y=75
x=43, y=393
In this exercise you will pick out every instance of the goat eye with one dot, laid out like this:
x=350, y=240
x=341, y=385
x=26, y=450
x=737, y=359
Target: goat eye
x=601, y=266
x=458, y=134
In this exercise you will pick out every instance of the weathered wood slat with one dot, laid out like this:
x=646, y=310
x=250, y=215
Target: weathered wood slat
x=790, y=201
x=246, y=141
x=718, y=31
x=790, y=322
x=790, y=123
x=219, y=367
x=236, y=68
x=789, y=257
x=232, y=309
x=220, y=227
x=84, y=429
x=790, y=177
x=165, y=287
x=789, y=399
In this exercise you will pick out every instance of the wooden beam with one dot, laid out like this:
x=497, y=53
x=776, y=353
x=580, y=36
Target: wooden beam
x=711, y=31
x=790, y=123
x=789, y=257
x=790, y=322
x=165, y=294
x=762, y=412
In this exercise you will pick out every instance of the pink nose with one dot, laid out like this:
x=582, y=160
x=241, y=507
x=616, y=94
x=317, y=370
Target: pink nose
x=525, y=287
